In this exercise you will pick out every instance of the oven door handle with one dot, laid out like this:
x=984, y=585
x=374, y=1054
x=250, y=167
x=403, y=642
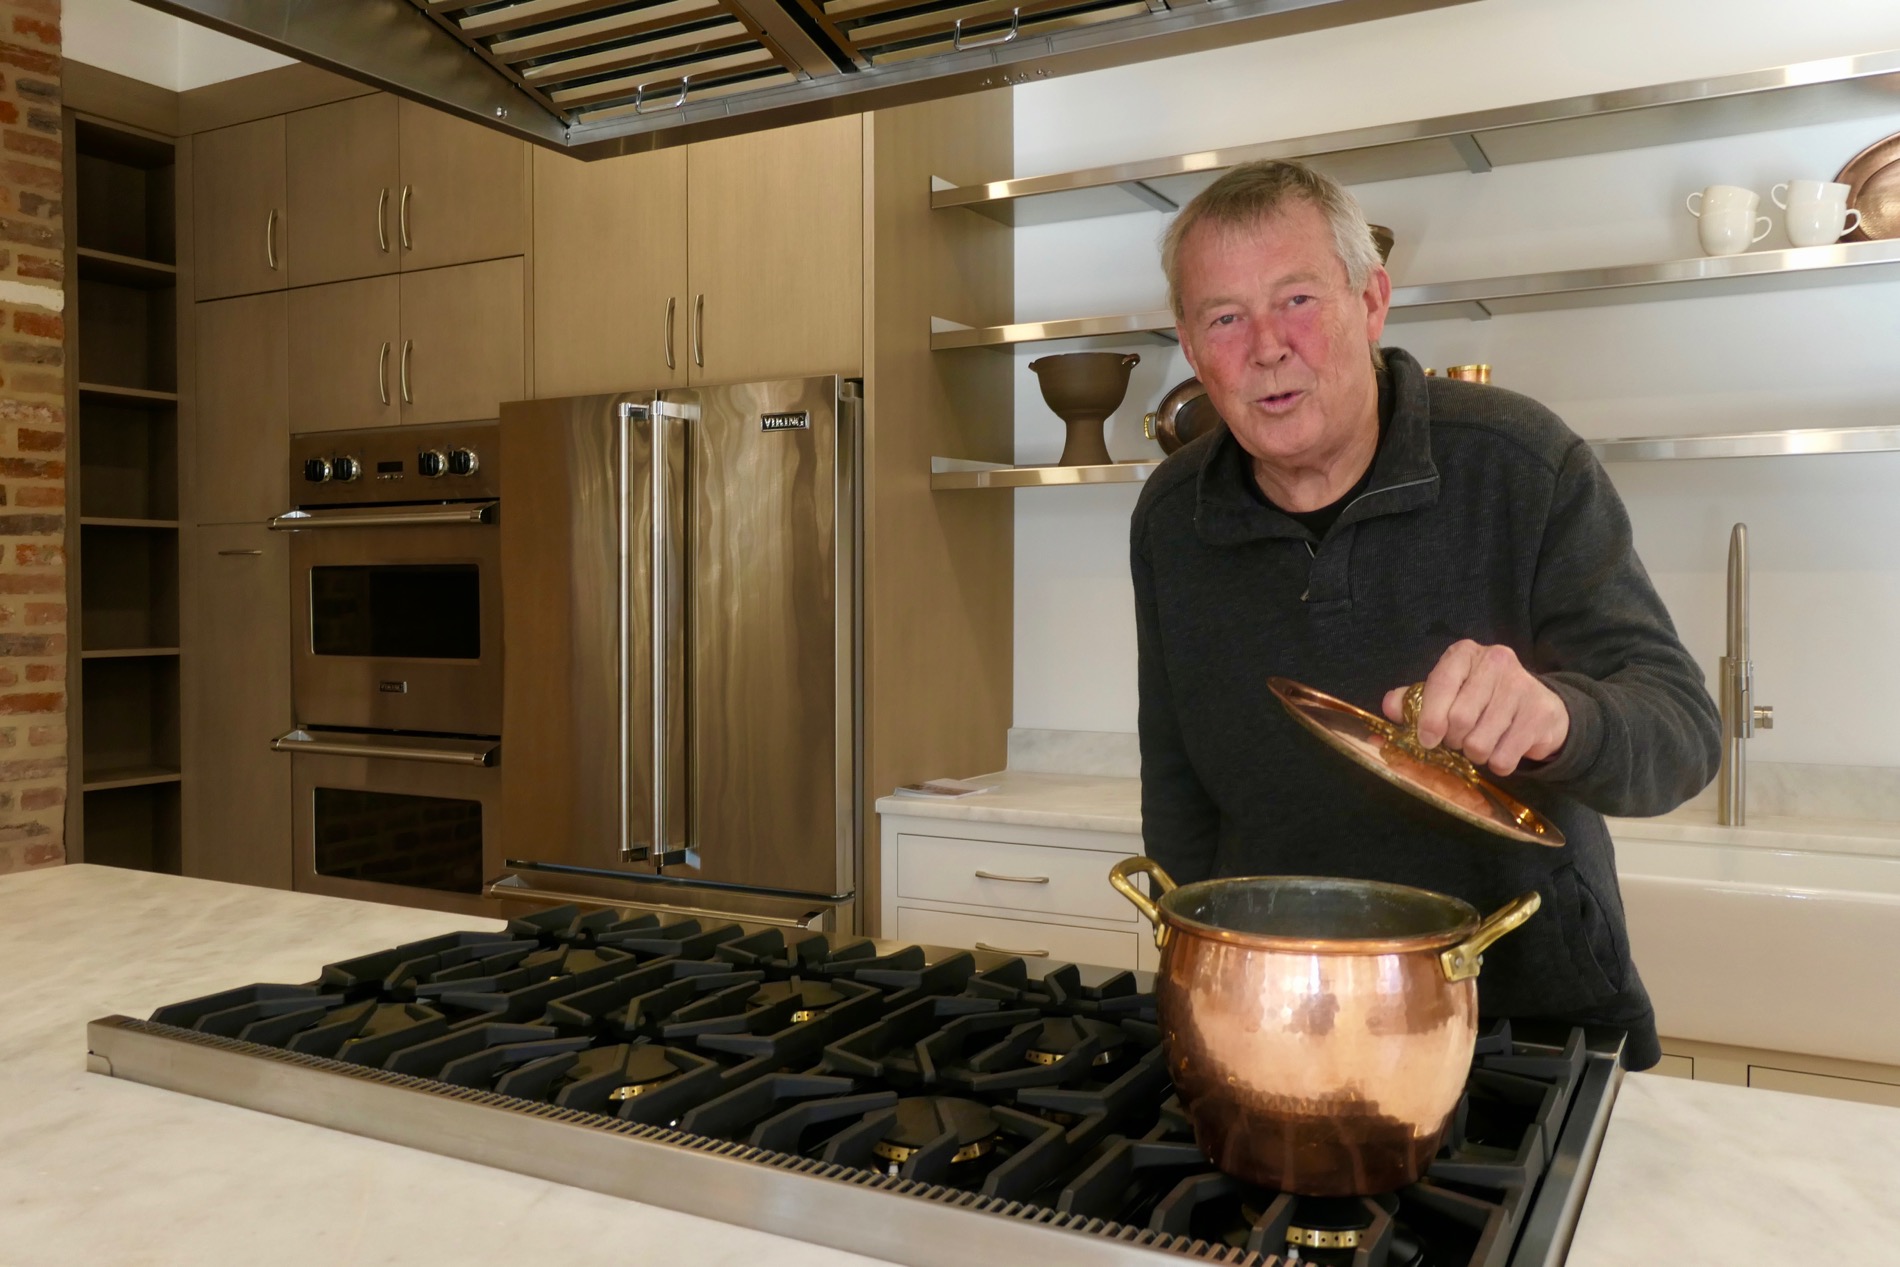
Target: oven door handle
x=466, y=752
x=385, y=517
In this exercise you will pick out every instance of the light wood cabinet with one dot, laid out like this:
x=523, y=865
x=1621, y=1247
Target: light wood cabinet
x=236, y=686
x=346, y=355
x=239, y=229
x=464, y=192
x=775, y=252
x=609, y=273
x=442, y=345
x=748, y=251
x=344, y=189
x=241, y=443
x=463, y=349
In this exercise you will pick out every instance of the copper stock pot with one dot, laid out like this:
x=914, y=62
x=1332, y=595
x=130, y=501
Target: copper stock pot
x=1319, y=1031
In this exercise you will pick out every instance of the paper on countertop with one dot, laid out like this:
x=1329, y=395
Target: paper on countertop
x=944, y=789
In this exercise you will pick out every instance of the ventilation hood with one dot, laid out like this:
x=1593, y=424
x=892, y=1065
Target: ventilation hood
x=602, y=77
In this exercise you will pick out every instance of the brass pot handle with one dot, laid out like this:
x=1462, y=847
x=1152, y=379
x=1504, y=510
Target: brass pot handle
x=1120, y=876
x=1461, y=962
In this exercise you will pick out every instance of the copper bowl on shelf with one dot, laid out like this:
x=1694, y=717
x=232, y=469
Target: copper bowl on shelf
x=1383, y=239
x=1184, y=414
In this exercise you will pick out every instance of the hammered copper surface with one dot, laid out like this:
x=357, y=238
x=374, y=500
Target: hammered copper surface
x=1438, y=775
x=1872, y=178
x=1315, y=1073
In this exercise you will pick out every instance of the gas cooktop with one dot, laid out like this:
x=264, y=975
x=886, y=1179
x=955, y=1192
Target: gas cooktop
x=905, y=1102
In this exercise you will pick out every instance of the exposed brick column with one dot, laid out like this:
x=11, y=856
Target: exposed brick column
x=32, y=441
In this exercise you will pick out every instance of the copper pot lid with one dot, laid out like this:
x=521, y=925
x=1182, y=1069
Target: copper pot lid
x=1438, y=776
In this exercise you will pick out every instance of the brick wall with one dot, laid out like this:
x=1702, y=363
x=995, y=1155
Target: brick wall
x=32, y=441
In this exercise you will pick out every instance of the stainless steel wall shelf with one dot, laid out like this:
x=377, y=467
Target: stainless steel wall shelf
x=1751, y=444
x=1804, y=93
x=1750, y=273
x=946, y=473
x=955, y=473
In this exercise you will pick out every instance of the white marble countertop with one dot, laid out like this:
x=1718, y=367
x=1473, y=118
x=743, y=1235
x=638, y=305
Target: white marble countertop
x=1700, y=1172
x=1079, y=802
x=1090, y=802
x=97, y=1170
x=1870, y=837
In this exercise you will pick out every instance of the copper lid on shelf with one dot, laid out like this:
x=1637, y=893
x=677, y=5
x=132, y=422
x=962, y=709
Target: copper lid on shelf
x=1440, y=776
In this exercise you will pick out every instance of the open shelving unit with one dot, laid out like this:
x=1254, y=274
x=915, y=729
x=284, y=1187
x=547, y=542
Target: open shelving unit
x=1800, y=94
x=122, y=503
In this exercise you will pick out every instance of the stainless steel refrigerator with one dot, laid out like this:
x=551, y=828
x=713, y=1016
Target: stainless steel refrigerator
x=681, y=668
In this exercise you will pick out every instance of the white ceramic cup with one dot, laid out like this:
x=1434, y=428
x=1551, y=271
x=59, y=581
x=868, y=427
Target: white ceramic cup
x=1818, y=214
x=1728, y=219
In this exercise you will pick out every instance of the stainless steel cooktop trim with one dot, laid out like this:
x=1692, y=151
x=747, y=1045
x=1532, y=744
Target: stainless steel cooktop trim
x=825, y=1204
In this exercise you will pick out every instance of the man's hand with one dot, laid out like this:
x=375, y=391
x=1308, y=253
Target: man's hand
x=1481, y=701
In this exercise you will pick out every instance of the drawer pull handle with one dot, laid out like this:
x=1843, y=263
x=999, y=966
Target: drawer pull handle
x=1005, y=950
x=1013, y=879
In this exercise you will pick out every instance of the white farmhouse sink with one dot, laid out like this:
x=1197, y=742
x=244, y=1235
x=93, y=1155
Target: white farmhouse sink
x=1783, y=935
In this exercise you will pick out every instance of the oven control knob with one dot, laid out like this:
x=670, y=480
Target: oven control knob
x=463, y=462
x=345, y=469
x=430, y=463
x=317, y=470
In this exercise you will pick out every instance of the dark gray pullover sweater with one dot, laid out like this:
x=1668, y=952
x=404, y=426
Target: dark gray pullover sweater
x=1485, y=518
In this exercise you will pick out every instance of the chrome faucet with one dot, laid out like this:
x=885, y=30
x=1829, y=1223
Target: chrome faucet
x=1741, y=715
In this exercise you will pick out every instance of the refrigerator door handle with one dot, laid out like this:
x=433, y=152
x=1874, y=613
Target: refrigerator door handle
x=630, y=413
x=665, y=621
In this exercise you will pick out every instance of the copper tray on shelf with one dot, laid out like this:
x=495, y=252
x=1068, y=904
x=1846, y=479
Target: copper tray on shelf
x=1873, y=180
x=1439, y=776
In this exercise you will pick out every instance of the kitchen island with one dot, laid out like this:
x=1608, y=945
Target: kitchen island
x=101, y=1170
x=98, y=1170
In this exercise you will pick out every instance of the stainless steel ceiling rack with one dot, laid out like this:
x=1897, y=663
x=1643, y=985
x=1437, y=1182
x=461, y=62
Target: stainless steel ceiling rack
x=604, y=77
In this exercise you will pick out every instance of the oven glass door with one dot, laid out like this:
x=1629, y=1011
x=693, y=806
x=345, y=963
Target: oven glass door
x=398, y=628
x=410, y=829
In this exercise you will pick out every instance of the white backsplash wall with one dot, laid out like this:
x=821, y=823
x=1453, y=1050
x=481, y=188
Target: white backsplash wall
x=1825, y=532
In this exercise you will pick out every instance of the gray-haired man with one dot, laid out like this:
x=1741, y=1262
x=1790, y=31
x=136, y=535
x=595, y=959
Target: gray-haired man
x=1358, y=527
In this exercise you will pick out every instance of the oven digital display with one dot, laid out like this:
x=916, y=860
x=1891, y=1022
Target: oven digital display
x=419, y=611
x=425, y=842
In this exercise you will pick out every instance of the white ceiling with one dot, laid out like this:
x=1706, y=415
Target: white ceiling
x=132, y=40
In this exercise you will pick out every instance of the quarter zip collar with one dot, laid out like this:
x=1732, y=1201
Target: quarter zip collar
x=1403, y=476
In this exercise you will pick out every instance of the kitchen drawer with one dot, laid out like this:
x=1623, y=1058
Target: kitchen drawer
x=1027, y=938
x=1049, y=881
x=1833, y=1088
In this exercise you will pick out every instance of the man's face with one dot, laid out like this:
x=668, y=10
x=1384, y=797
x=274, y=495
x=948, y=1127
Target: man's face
x=1278, y=335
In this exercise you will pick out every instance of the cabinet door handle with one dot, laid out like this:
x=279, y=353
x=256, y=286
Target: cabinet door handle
x=234, y=553
x=382, y=223
x=669, y=332
x=1005, y=950
x=382, y=372
x=699, y=322
x=1013, y=879
x=402, y=218
x=403, y=373
x=270, y=240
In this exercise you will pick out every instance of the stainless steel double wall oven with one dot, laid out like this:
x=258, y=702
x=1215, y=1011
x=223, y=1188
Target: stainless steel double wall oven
x=396, y=663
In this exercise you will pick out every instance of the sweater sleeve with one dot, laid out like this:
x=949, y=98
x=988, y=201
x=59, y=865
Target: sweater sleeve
x=1180, y=823
x=1644, y=734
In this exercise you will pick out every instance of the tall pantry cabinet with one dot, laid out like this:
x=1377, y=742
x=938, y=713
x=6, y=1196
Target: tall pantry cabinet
x=359, y=263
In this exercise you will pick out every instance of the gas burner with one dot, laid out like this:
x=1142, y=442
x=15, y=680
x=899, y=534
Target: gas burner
x=814, y=997
x=646, y=1069
x=922, y=1120
x=1060, y=1036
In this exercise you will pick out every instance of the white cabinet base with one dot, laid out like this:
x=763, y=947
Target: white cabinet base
x=1039, y=892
